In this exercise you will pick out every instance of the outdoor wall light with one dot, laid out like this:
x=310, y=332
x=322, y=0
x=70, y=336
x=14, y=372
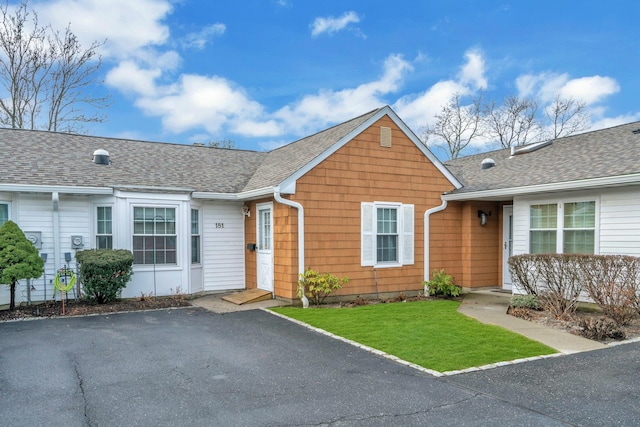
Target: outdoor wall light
x=483, y=217
x=246, y=211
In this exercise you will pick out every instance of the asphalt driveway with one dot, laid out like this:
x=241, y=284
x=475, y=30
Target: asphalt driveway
x=197, y=368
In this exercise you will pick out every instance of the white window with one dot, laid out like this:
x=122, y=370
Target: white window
x=568, y=227
x=154, y=235
x=104, y=227
x=195, y=236
x=4, y=213
x=387, y=234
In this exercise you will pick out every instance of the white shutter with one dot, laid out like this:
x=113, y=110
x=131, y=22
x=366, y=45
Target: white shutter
x=367, y=234
x=407, y=234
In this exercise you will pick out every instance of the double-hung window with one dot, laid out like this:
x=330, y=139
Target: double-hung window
x=387, y=234
x=154, y=235
x=4, y=213
x=195, y=236
x=104, y=227
x=563, y=228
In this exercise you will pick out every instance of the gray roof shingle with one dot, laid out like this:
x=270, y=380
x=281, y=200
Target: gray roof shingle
x=286, y=160
x=603, y=153
x=48, y=158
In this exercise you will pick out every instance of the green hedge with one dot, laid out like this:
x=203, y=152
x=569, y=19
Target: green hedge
x=105, y=272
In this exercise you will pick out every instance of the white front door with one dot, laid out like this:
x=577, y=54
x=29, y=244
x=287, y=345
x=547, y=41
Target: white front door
x=265, y=246
x=507, y=245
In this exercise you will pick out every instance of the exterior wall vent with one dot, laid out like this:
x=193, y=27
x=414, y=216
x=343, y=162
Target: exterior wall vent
x=487, y=163
x=385, y=137
x=101, y=157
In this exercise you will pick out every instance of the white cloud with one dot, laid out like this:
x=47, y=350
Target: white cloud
x=200, y=39
x=130, y=79
x=545, y=87
x=329, y=106
x=418, y=110
x=473, y=71
x=332, y=25
x=128, y=26
x=210, y=103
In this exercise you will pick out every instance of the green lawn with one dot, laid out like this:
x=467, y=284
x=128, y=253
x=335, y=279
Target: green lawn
x=431, y=334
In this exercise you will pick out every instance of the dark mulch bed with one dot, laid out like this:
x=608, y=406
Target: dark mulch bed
x=599, y=324
x=83, y=308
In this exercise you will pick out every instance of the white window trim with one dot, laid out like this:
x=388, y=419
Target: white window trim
x=95, y=224
x=368, y=234
x=158, y=267
x=8, y=209
x=560, y=223
x=199, y=234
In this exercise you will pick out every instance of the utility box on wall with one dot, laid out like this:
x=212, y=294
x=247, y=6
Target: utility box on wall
x=76, y=242
x=34, y=237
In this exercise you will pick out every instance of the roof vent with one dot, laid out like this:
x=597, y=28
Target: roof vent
x=101, y=157
x=637, y=131
x=487, y=163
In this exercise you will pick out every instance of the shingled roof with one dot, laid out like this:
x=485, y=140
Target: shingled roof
x=603, y=153
x=284, y=161
x=49, y=158
x=60, y=159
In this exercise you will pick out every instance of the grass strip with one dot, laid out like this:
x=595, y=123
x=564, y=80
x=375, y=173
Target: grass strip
x=430, y=333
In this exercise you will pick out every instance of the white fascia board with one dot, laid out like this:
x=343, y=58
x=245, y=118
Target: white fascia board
x=61, y=189
x=584, y=184
x=288, y=185
x=245, y=195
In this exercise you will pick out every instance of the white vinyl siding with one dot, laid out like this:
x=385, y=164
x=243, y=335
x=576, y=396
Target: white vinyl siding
x=387, y=234
x=223, y=248
x=620, y=222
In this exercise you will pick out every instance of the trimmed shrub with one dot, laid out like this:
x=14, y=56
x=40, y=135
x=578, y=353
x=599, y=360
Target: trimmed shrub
x=317, y=286
x=612, y=282
x=600, y=329
x=558, y=280
x=104, y=273
x=525, y=301
x=442, y=284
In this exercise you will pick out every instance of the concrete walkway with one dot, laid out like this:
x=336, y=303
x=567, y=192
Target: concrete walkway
x=215, y=303
x=491, y=307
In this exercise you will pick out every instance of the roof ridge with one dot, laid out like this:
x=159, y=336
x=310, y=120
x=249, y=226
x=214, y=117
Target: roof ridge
x=327, y=129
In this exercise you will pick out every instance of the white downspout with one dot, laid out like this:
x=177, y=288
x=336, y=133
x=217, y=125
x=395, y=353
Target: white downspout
x=55, y=199
x=427, y=214
x=298, y=206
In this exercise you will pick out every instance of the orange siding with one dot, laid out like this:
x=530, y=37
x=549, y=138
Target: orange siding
x=331, y=193
x=363, y=171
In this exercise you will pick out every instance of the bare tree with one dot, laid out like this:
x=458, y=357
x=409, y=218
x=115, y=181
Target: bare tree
x=44, y=74
x=456, y=125
x=566, y=116
x=224, y=143
x=513, y=123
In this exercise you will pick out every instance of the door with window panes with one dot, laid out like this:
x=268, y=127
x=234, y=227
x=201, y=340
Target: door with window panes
x=265, y=246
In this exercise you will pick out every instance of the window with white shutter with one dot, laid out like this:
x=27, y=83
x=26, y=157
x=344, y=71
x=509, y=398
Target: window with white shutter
x=387, y=234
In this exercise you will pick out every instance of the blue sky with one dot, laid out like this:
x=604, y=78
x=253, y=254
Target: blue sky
x=267, y=72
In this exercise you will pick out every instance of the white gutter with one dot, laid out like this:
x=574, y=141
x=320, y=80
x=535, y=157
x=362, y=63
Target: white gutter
x=298, y=206
x=583, y=184
x=427, y=214
x=261, y=192
x=61, y=189
x=55, y=199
